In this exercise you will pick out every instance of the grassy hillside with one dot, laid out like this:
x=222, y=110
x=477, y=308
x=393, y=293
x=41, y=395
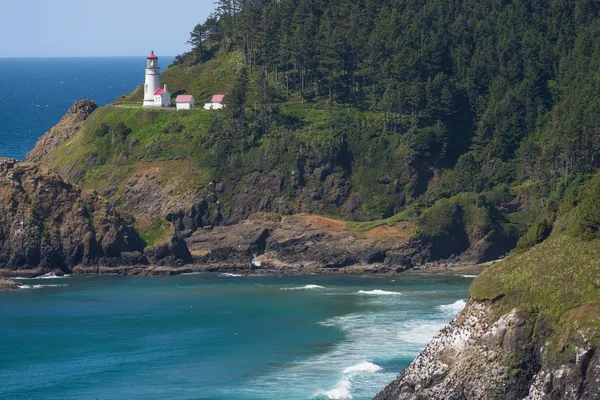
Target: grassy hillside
x=362, y=111
x=557, y=281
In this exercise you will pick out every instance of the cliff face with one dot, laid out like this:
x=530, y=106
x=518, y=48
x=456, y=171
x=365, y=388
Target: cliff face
x=478, y=357
x=530, y=331
x=308, y=243
x=49, y=224
x=70, y=124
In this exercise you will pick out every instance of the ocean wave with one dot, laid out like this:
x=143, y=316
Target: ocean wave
x=365, y=366
x=38, y=286
x=453, y=308
x=305, y=287
x=468, y=276
x=49, y=275
x=342, y=389
x=378, y=292
x=230, y=275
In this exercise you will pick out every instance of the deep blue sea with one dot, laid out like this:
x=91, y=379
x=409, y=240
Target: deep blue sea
x=217, y=336
x=36, y=92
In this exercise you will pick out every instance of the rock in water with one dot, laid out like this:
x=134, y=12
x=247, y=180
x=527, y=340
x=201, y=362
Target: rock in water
x=8, y=284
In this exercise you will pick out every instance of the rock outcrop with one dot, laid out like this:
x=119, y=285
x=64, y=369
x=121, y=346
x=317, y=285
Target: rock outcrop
x=48, y=224
x=481, y=356
x=307, y=243
x=6, y=284
x=70, y=124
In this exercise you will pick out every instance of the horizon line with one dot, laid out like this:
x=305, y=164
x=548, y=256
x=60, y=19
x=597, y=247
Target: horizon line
x=40, y=57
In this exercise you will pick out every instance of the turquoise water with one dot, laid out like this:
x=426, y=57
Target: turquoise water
x=37, y=92
x=211, y=336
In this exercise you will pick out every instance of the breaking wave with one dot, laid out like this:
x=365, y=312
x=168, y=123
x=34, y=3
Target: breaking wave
x=230, y=275
x=49, y=275
x=453, y=308
x=305, y=287
x=378, y=292
x=343, y=388
x=38, y=286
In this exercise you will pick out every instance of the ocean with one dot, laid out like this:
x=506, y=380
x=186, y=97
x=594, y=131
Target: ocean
x=217, y=336
x=37, y=92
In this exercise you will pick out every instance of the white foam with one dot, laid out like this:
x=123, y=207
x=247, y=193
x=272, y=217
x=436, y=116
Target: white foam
x=341, y=391
x=49, y=275
x=469, y=276
x=383, y=334
x=230, y=275
x=305, y=287
x=453, y=308
x=38, y=286
x=378, y=292
x=365, y=366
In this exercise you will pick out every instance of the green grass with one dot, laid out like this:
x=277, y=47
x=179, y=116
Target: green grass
x=559, y=274
x=159, y=232
x=367, y=226
x=558, y=279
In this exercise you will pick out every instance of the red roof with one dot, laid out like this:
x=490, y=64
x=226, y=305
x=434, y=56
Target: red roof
x=152, y=56
x=159, y=92
x=184, y=98
x=217, y=98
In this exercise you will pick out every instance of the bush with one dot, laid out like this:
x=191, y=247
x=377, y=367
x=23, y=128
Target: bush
x=442, y=219
x=537, y=233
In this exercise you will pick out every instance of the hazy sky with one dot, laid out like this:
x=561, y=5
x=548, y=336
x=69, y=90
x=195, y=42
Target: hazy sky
x=77, y=28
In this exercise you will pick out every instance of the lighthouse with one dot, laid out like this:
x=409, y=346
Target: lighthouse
x=152, y=84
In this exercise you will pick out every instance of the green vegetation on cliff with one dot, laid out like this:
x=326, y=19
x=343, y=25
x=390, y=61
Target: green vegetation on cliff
x=558, y=279
x=474, y=119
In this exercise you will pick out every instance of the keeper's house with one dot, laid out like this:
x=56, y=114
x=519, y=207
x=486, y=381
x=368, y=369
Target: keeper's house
x=216, y=103
x=184, y=102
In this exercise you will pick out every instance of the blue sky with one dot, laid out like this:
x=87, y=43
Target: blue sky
x=85, y=28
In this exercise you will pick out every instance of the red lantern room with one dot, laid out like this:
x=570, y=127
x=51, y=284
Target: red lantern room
x=152, y=60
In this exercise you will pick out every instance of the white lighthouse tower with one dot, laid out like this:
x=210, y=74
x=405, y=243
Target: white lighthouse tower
x=152, y=83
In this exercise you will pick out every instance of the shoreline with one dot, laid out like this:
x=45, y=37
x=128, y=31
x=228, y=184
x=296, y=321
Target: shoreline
x=364, y=271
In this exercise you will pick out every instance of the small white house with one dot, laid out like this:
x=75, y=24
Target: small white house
x=162, y=97
x=216, y=103
x=185, y=102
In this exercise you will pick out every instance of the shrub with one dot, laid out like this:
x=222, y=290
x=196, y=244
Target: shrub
x=441, y=219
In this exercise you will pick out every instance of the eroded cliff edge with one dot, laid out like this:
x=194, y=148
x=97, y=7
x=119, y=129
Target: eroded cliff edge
x=47, y=224
x=529, y=331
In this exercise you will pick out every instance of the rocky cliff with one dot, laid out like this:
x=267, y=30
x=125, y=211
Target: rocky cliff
x=308, y=243
x=47, y=224
x=70, y=123
x=530, y=331
x=479, y=356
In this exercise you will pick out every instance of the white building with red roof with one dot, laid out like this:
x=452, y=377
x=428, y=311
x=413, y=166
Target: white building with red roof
x=216, y=103
x=185, y=102
x=162, y=97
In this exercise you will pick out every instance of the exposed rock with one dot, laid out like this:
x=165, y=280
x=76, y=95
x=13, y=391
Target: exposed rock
x=8, y=284
x=48, y=224
x=477, y=357
x=305, y=242
x=70, y=124
x=173, y=253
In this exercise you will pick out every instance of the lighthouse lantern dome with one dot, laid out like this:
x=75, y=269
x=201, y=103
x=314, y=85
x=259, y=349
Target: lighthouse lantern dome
x=152, y=60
